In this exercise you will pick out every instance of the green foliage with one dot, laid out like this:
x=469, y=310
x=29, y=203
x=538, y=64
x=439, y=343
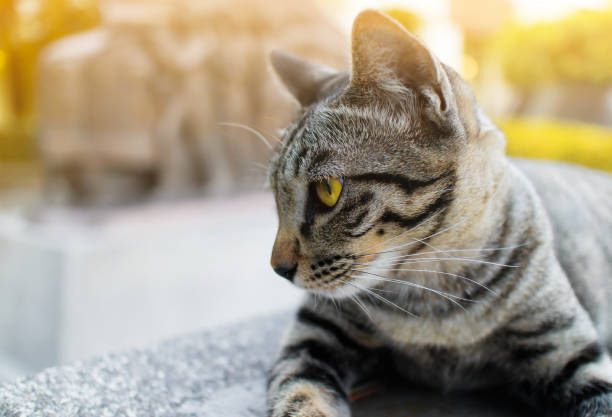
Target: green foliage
x=564, y=141
x=577, y=48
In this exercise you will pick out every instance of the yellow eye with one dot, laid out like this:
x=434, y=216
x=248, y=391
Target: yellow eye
x=329, y=190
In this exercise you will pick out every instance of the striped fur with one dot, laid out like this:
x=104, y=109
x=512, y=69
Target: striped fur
x=442, y=259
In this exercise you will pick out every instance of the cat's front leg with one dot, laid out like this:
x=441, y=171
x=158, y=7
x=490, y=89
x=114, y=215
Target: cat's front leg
x=313, y=373
x=304, y=398
x=562, y=367
x=582, y=387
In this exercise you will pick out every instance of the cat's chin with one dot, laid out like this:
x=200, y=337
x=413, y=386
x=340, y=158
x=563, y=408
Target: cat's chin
x=344, y=291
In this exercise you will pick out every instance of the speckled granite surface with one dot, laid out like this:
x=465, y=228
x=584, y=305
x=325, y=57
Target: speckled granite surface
x=212, y=374
x=218, y=373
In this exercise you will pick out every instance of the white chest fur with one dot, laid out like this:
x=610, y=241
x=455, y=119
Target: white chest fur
x=459, y=329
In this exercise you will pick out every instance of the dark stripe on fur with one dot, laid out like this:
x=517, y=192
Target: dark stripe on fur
x=482, y=271
x=361, y=201
x=594, y=398
x=355, y=235
x=283, y=157
x=408, y=185
x=317, y=160
x=548, y=326
x=571, y=399
x=390, y=216
x=320, y=351
x=313, y=206
x=294, y=404
x=502, y=275
x=355, y=318
x=524, y=354
x=438, y=221
x=590, y=353
x=311, y=318
x=356, y=223
x=589, y=390
x=305, y=229
x=299, y=160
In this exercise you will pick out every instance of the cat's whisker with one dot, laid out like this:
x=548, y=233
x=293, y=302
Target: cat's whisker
x=395, y=258
x=416, y=240
x=427, y=289
x=381, y=298
x=315, y=299
x=260, y=165
x=422, y=223
x=402, y=246
x=477, y=212
x=250, y=129
x=449, y=274
x=465, y=187
x=461, y=221
x=429, y=245
x=469, y=260
x=357, y=301
x=363, y=307
x=335, y=303
x=450, y=297
x=381, y=290
x=453, y=250
x=415, y=256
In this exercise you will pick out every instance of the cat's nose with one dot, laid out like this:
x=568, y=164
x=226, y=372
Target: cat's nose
x=286, y=270
x=284, y=259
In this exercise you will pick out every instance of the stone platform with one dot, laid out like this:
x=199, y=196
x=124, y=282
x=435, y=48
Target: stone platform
x=219, y=373
x=76, y=284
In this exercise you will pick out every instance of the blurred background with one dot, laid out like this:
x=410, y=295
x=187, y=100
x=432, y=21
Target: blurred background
x=132, y=164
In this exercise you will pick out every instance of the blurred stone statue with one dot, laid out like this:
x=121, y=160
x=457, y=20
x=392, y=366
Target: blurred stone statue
x=159, y=102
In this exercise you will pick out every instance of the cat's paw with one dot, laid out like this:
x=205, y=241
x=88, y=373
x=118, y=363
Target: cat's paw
x=302, y=406
x=306, y=400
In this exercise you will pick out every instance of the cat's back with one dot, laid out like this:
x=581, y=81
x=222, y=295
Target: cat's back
x=578, y=202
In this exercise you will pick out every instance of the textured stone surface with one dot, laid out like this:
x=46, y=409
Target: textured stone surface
x=198, y=375
x=213, y=374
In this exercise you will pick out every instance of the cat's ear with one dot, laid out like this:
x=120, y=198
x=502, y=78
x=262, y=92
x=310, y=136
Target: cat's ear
x=304, y=79
x=386, y=54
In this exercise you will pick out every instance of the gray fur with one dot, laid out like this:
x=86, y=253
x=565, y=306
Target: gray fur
x=578, y=202
x=442, y=259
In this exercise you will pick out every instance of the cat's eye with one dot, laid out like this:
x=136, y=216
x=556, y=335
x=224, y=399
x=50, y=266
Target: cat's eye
x=328, y=190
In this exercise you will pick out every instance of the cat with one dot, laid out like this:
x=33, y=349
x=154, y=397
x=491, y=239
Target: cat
x=421, y=245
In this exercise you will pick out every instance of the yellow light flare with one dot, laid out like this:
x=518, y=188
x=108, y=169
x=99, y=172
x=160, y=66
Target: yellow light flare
x=470, y=67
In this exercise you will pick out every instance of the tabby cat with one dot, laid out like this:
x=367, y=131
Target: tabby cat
x=421, y=244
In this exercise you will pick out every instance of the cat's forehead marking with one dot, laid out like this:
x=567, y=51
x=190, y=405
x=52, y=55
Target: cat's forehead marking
x=288, y=154
x=348, y=134
x=300, y=149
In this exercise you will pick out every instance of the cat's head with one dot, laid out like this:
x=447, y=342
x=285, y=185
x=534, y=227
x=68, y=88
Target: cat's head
x=373, y=159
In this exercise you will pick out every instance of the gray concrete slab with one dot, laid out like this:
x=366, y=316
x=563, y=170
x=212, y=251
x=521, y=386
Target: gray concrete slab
x=79, y=283
x=219, y=373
